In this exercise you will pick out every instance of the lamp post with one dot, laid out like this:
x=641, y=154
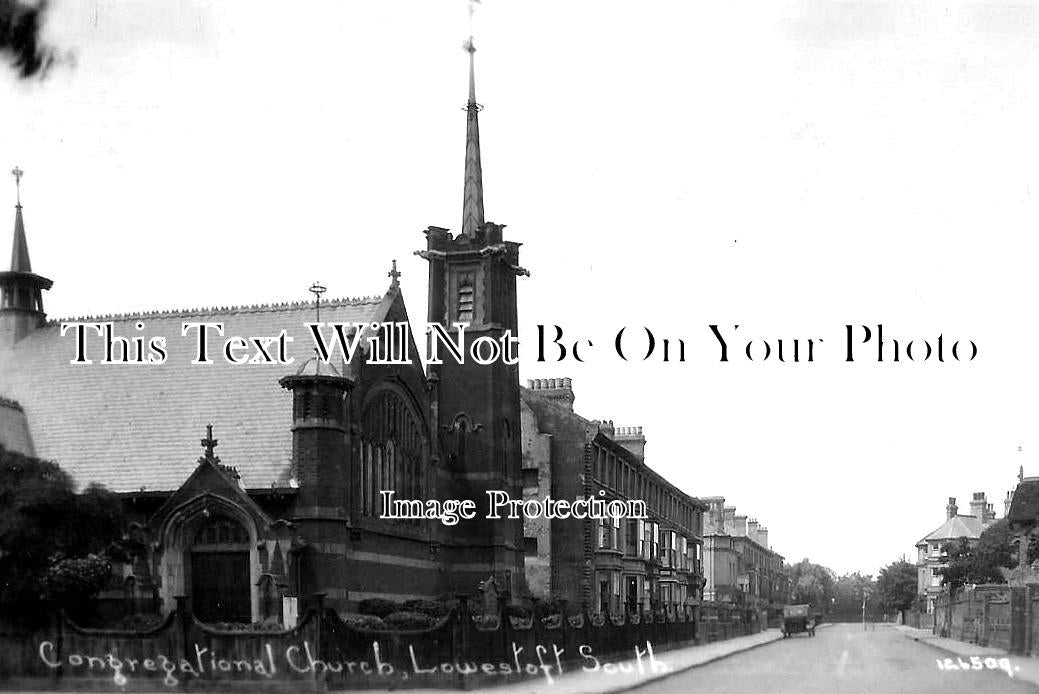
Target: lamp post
x=865, y=594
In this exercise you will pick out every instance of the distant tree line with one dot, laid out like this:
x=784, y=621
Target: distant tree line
x=853, y=595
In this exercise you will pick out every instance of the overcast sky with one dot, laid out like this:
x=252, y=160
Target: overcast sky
x=788, y=166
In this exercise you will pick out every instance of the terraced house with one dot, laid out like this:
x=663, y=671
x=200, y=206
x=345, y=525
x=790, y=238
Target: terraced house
x=740, y=565
x=613, y=565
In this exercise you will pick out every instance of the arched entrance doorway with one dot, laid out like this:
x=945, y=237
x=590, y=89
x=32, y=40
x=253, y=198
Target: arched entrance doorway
x=220, y=562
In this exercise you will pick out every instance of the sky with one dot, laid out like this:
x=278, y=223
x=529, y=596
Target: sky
x=790, y=166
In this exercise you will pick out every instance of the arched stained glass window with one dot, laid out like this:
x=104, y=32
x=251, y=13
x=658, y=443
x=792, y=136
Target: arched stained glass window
x=221, y=530
x=392, y=452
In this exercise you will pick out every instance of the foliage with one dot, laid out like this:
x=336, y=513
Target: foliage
x=434, y=609
x=139, y=622
x=364, y=621
x=264, y=626
x=897, y=585
x=408, y=620
x=70, y=582
x=550, y=606
x=517, y=611
x=43, y=521
x=378, y=607
x=848, y=596
x=980, y=561
x=811, y=583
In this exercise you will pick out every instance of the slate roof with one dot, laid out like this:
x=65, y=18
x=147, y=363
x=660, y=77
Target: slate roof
x=138, y=426
x=1024, y=507
x=955, y=528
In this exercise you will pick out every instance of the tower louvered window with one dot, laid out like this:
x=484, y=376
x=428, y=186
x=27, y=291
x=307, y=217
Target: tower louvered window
x=391, y=453
x=466, y=298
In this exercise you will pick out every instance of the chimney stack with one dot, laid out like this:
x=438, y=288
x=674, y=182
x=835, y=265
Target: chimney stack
x=740, y=526
x=951, y=510
x=752, y=529
x=714, y=517
x=632, y=439
x=729, y=520
x=978, y=505
x=558, y=390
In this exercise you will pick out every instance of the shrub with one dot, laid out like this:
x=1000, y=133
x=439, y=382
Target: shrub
x=408, y=620
x=378, y=607
x=242, y=627
x=70, y=582
x=364, y=621
x=551, y=606
x=140, y=622
x=437, y=610
x=518, y=611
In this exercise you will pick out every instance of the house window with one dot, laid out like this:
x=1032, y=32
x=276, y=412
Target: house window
x=631, y=538
x=610, y=531
x=530, y=546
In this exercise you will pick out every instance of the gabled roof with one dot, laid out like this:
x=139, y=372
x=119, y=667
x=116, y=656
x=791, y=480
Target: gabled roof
x=136, y=426
x=956, y=527
x=1024, y=508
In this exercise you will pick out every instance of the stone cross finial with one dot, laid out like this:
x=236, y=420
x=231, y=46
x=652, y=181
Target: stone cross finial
x=18, y=173
x=394, y=275
x=209, y=443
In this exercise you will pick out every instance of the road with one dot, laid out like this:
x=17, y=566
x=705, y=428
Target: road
x=840, y=659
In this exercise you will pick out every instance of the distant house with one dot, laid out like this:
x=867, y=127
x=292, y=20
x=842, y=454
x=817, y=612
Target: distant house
x=739, y=564
x=1023, y=518
x=931, y=548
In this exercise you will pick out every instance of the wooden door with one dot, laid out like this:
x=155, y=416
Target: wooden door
x=220, y=589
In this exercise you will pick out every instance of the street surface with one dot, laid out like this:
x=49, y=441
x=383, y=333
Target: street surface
x=842, y=659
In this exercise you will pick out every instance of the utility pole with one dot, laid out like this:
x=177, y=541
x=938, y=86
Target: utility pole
x=865, y=594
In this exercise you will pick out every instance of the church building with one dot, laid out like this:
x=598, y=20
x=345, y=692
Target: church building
x=282, y=498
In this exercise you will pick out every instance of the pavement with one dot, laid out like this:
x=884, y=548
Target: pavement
x=622, y=675
x=1024, y=667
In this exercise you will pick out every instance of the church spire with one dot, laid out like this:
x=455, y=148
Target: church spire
x=21, y=290
x=20, y=248
x=472, y=203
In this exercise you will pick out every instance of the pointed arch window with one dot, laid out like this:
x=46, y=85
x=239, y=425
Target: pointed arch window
x=392, y=453
x=221, y=530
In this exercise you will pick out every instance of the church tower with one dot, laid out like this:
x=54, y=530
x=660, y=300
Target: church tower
x=472, y=281
x=21, y=291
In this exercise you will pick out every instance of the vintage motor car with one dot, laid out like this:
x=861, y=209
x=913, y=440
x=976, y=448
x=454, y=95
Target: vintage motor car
x=797, y=619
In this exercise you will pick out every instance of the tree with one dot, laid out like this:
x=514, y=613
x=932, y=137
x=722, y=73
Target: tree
x=811, y=583
x=897, y=585
x=848, y=594
x=981, y=561
x=48, y=534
